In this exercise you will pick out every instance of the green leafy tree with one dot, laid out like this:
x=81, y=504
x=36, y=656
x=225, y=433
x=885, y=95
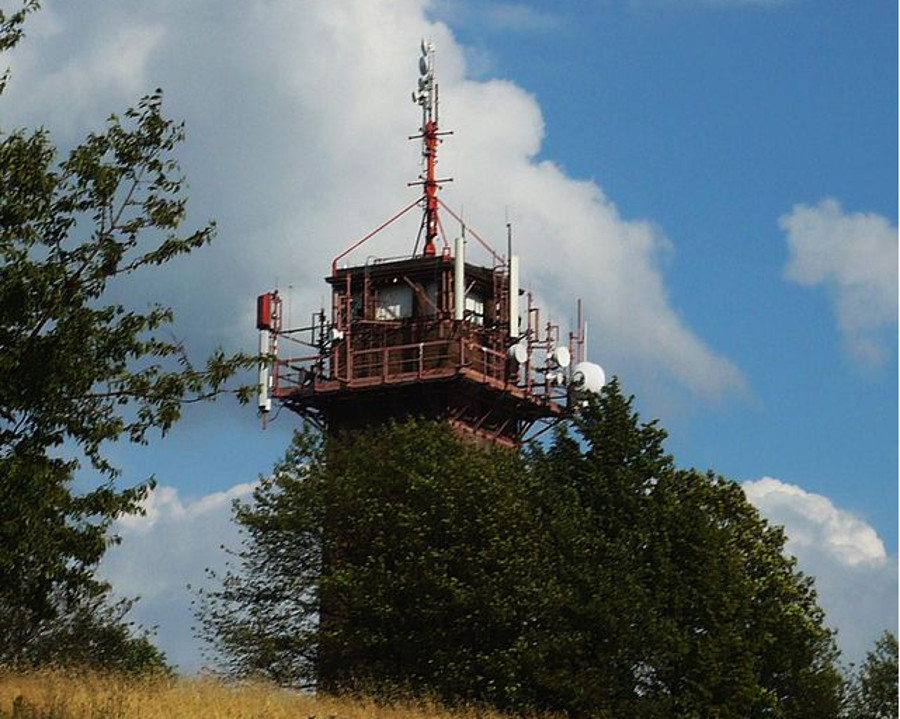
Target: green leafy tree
x=681, y=601
x=589, y=576
x=80, y=371
x=873, y=694
x=404, y=557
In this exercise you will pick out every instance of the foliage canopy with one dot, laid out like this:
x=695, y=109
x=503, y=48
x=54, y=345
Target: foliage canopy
x=873, y=692
x=589, y=576
x=81, y=371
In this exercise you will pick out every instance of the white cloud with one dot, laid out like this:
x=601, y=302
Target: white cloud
x=78, y=89
x=855, y=578
x=297, y=118
x=816, y=524
x=854, y=255
x=165, y=551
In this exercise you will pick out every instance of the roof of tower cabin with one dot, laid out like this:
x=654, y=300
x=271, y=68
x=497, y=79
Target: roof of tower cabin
x=388, y=270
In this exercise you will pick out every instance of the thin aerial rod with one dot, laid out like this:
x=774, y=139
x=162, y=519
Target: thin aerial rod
x=371, y=234
x=497, y=258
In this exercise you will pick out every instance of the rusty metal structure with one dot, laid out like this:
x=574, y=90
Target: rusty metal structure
x=428, y=335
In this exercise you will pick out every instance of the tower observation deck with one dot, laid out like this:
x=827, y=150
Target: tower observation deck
x=429, y=335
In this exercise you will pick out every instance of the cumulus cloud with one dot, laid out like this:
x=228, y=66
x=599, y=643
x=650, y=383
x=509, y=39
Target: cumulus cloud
x=298, y=116
x=816, y=524
x=163, y=552
x=856, y=579
x=77, y=89
x=854, y=256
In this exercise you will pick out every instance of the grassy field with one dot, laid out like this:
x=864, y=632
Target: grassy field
x=58, y=695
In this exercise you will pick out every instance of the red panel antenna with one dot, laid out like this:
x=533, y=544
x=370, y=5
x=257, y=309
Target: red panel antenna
x=264, y=312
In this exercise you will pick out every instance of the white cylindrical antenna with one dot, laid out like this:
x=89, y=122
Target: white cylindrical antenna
x=513, y=296
x=584, y=344
x=264, y=402
x=459, y=279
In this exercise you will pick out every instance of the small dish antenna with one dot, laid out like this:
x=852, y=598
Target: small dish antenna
x=561, y=357
x=588, y=377
x=518, y=352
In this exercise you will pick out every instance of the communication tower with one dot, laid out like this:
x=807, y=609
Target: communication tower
x=430, y=335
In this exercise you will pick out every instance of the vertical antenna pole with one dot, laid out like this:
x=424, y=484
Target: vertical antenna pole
x=459, y=279
x=578, y=336
x=264, y=326
x=513, y=297
x=264, y=403
x=431, y=203
x=426, y=96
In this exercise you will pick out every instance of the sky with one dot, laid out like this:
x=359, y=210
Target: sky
x=717, y=179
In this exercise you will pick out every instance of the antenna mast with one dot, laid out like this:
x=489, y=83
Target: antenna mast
x=427, y=97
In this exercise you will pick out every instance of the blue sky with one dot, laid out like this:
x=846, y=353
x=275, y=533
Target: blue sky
x=717, y=178
x=714, y=119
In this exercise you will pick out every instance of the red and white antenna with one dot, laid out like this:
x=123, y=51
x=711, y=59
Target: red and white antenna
x=427, y=97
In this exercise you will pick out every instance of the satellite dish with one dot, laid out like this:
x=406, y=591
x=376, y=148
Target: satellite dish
x=518, y=353
x=588, y=377
x=423, y=65
x=561, y=357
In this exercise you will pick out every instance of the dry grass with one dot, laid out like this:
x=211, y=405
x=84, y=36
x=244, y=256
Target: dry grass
x=58, y=695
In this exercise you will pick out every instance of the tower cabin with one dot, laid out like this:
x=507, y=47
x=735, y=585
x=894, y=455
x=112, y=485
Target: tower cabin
x=430, y=335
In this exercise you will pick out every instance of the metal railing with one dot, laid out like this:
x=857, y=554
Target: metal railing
x=394, y=363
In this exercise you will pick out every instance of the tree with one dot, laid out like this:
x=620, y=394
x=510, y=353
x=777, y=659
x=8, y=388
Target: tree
x=589, y=576
x=681, y=601
x=873, y=694
x=79, y=370
x=263, y=620
x=403, y=557
x=91, y=631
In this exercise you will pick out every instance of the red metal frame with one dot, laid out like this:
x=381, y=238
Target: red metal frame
x=360, y=366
